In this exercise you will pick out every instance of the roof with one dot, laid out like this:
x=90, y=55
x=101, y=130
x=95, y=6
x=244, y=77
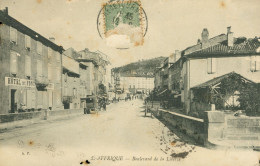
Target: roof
x=241, y=46
x=212, y=41
x=10, y=21
x=217, y=80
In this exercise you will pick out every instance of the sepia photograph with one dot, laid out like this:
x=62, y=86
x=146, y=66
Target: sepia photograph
x=129, y=82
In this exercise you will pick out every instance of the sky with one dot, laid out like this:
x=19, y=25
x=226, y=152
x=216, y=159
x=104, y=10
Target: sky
x=172, y=24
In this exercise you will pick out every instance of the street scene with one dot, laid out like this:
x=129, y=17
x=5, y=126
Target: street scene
x=124, y=137
x=129, y=82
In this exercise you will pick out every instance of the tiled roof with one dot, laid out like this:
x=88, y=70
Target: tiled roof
x=241, y=46
x=216, y=80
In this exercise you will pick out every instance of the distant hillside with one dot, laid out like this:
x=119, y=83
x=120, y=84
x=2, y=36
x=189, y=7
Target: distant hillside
x=140, y=68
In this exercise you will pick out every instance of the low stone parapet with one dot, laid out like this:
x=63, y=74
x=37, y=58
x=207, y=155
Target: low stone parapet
x=12, y=120
x=20, y=119
x=193, y=127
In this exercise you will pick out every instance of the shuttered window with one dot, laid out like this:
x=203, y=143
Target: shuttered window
x=27, y=65
x=254, y=63
x=49, y=71
x=58, y=73
x=39, y=47
x=49, y=52
x=27, y=41
x=13, y=35
x=57, y=56
x=211, y=65
x=13, y=62
x=39, y=68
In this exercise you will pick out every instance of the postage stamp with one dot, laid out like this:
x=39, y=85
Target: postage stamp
x=122, y=19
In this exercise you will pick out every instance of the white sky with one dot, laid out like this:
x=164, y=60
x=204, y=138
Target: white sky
x=173, y=24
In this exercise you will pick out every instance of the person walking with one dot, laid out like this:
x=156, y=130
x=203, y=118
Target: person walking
x=104, y=104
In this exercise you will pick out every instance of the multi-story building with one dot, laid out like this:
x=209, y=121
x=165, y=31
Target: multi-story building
x=135, y=84
x=217, y=57
x=30, y=76
x=210, y=60
x=96, y=63
x=70, y=81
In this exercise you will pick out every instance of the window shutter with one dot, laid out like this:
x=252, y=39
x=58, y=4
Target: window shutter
x=39, y=47
x=213, y=65
x=209, y=65
x=39, y=68
x=58, y=74
x=13, y=62
x=27, y=41
x=57, y=56
x=257, y=63
x=252, y=63
x=27, y=65
x=49, y=52
x=13, y=35
x=49, y=72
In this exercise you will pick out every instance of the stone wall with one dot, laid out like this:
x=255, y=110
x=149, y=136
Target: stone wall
x=193, y=127
x=216, y=128
x=13, y=120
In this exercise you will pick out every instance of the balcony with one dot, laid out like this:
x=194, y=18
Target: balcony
x=41, y=82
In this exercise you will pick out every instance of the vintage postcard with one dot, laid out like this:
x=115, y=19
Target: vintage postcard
x=129, y=82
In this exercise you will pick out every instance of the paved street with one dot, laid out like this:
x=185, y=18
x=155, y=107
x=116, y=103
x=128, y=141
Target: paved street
x=119, y=136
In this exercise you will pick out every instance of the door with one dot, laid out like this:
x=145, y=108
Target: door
x=13, y=101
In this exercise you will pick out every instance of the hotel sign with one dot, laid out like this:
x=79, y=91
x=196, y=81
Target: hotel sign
x=19, y=82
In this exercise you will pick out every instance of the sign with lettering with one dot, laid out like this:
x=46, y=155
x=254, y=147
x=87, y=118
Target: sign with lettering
x=19, y=82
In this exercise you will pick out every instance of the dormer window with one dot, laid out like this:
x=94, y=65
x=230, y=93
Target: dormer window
x=13, y=35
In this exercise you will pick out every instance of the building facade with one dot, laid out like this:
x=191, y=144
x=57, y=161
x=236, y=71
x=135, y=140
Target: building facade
x=30, y=68
x=209, y=59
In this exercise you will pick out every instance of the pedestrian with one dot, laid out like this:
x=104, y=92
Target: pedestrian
x=104, y=104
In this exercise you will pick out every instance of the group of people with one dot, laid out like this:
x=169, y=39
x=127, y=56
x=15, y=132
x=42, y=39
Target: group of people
x=102, y=103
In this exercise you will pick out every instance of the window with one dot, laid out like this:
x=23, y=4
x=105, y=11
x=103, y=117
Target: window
x=49, y=72
x=58, y=56
x=254, y=63
x=58, y=73
x=74, y=92
x=65, y=77
x=49, y=52
x=66, y=91
x=39, y=68
x=27, y=42
x=13, y=35
x=28, y=66
x=39, y=47
x=211, y=64
x=13, y=62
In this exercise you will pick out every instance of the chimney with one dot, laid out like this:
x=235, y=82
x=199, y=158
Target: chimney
x=204, y=38
x=177, y=55
x=204, y=35
x=5, y=11
x=52, y=39
x=198, y=42
x=172, y=58
x=230, y=38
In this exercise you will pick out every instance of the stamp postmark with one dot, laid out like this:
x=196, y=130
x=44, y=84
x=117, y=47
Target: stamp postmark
x=123, y=18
